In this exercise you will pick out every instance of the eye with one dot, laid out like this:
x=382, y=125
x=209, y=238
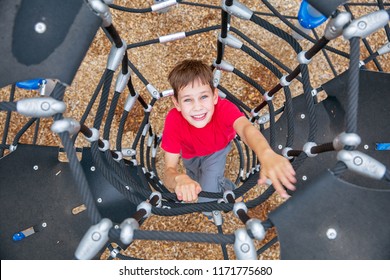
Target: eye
x=187, y=100
x=204, y=96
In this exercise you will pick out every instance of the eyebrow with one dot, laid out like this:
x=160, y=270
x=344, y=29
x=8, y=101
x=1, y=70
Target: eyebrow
x=190, y=95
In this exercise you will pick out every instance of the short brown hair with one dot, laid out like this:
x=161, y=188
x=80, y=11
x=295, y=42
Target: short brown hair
x=188, y=71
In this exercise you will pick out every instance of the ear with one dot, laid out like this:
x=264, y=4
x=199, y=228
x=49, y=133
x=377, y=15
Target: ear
x=176, y=103
x=215, y=96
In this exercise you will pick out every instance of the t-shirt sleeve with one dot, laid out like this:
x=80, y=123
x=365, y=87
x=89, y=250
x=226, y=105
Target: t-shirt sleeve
x=170, y=141
x=231, y=112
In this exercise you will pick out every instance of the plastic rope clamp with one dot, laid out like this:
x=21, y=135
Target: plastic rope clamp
x=130, y=101
x=362, y=164
x=106, y=145
x=119, y=156
x=237, y=9
x=384, y=49
x=159, y=201
x=302, y=58
x=172, y=37
x=128, y=152
x=122, y=80
x=66, y=124
x=263, y=119
x=102, y=10
x=266, y=97
x=127, y=230
x=256, y=227
x=230, y=41
x=239, y=206
x=283, y=81
x=217, y=77
x=346, y=139
x=225, y=66
x=166, y=93
x=94, y=240
x=244, y=247
x=153, y=91
x=145, y=206
x=285, y=152
x=307, y=149
x=217, y=217
x=366, y=25
x=226, y=193
x=116, y=55
x=94, y=137
x=40, y=107
x=336, y=25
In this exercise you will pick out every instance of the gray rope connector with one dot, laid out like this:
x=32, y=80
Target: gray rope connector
x=102, y=10
x=216, y=77
x=225, y=195
x=145, y=206
x=346, y=139
x=94, y=240
x=94, y=136
x=106, y=145
x=162, y=6
x=237, y=9
x=244, y=247
x=362, y=164
x=285, y=152
x=256, y=227
x=366, y=25
x=153, y=91
x=230, y=41
x=239, y=206
x=336, y=25
x=116, y=56
x=224, y=65
x=128, y=152
x=217, y=217
x=159, y=201
x=384, y=49
x=40, y=107
x=307, y=149
x=130, y=101
x=66, y=124
x=122, y=80
x=127, y=230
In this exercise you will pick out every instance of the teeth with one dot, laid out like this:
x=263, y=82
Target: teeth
x=199, y=116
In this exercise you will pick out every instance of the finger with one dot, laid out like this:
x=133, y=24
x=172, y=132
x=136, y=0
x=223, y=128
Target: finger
x=179, y=195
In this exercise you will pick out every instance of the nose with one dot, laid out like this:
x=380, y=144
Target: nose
x=197, y=105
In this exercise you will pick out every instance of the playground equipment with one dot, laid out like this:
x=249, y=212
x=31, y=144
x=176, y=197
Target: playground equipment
x=75, y=209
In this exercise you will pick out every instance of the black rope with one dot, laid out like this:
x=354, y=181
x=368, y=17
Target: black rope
x=7, y=122
x=353, y=87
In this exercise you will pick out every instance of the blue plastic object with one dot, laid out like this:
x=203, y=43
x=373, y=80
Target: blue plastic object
x=31, y=84
x=309, y=17
x=382, y=147
x=18, y=236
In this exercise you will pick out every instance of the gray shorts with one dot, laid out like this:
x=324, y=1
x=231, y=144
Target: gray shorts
x=209, y=171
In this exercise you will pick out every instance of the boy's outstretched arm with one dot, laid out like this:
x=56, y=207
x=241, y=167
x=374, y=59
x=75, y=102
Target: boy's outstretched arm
x=185, y=188
x=273, y=166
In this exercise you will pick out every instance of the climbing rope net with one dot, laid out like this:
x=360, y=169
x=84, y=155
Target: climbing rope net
x=146, y=190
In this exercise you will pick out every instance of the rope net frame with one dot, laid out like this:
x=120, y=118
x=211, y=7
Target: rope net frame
x=248, y=82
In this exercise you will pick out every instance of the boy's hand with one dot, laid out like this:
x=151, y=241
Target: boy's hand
x=187, y=189
x=279, y=170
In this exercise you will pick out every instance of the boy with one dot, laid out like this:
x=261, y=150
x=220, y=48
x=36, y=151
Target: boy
x=200, y=129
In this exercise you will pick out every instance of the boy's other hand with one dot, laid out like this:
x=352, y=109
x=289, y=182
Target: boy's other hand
x=187, y=189
x=280, y=171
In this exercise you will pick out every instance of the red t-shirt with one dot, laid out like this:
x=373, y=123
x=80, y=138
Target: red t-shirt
x=180, y=137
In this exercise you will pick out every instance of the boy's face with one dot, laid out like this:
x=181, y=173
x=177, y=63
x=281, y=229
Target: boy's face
x=196, y=103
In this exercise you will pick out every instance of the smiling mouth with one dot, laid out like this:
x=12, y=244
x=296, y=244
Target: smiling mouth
x=200, y=117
